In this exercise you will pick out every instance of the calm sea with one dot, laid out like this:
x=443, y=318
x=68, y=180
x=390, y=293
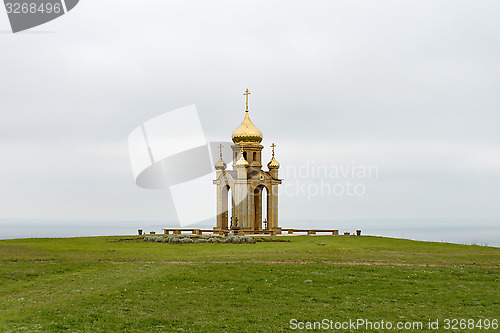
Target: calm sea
x=461, y=231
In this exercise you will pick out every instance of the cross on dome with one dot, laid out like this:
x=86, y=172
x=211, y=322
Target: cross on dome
x=247, y=132
x=246, y=95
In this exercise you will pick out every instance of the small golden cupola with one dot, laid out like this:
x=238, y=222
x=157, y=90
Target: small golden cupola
x=220, y=165
x=273, y=164
x=247, y=132
x=242, y=162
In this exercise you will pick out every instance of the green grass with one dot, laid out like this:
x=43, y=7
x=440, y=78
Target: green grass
x=100, y=284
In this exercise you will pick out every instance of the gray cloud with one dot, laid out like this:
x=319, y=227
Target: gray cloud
x=409, y=86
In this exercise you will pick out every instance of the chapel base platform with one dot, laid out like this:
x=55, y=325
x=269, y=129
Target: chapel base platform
x=240, y=232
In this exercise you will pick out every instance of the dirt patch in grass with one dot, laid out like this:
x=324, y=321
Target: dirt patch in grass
x=126, y=239
x=271, y=240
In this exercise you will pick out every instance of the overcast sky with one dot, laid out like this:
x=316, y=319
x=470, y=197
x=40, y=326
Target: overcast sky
x=410, y=87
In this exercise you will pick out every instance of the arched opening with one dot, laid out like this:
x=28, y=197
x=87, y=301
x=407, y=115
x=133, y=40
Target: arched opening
x=245, y=155
x=265, y=211
x=254, y=156
x=227, y=209
x=261, y=207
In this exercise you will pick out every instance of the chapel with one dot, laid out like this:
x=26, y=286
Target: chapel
x=247, y=195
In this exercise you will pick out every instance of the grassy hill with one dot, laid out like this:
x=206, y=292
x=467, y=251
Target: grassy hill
x=123, y=284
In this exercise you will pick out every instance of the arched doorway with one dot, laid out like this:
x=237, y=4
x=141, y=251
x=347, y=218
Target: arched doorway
x=227, y=210
x=261, y=207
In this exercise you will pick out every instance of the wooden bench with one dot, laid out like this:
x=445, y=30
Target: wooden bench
x=334, y=232
x=179, y=231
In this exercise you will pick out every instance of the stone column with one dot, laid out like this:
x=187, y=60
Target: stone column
x=273, y=208
x=219, y=207
x=241, y=203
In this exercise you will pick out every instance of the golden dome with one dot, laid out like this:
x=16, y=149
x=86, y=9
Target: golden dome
x=242, y=161
x=247, y=132
x=273, y=164
x=220, y=165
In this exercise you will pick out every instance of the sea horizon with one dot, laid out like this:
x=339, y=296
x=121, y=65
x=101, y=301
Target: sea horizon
x=484, y=232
